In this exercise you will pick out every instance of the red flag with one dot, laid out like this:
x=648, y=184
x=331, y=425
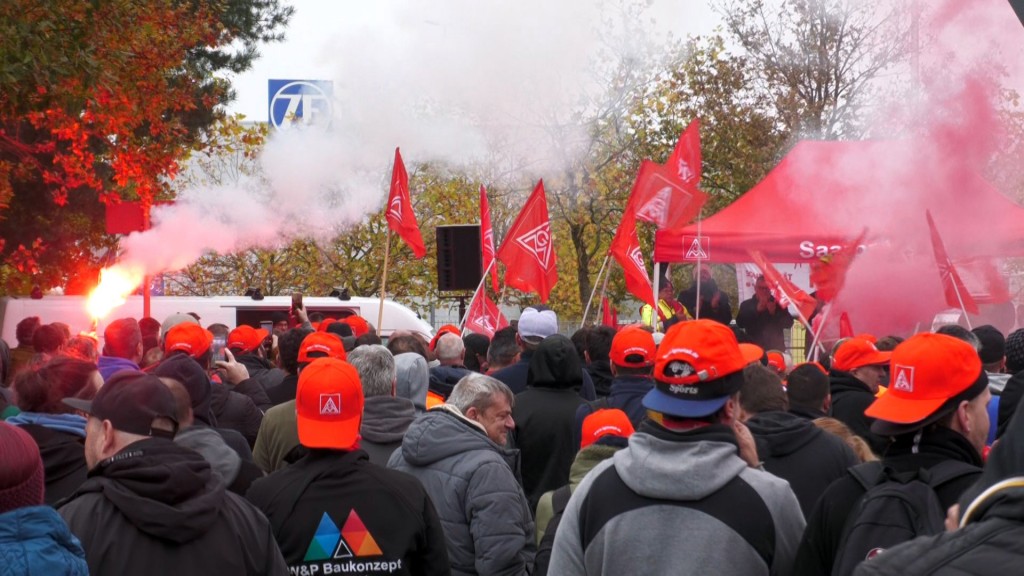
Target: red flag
x=400, y=216
x=484, y=316
x=625, y=247
x=785, y=291
x=660, y=197
x=828, y=273
x=957, y=295
x=528, y=251
x=984, y=281
x=487, y=237
x=609, y=315
x=686, y=158
x=845, y=327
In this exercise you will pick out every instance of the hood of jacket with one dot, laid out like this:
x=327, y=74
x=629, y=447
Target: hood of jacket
x=679, y=466
x=601, y=373
x=386, y=418
x=224, y=461
x=412, y=379
x=840, y=382
x=781, y=433
x=164, y=490
x=67, y=423
x=999, y=492
x=444, y=432
x=586, y=459
x=555, y=364
x=444, y=378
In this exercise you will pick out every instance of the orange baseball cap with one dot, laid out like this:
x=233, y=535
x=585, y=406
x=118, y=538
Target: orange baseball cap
x=607, y=422
x=633, y=347
x=858, y=352
x=446, y=329
x=190, y=338
x=245, y=338
x=931, y=374
x=751, y=352
x=329, y=405
x=359, y=325
x=321, y=345
x=777, y=361
x=698, y=367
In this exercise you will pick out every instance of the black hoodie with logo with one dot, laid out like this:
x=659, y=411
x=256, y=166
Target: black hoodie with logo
x=335, y=512
x=156, y=508
x=796, y=450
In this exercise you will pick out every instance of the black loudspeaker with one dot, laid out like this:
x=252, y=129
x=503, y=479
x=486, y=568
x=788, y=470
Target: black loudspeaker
x=459, y=262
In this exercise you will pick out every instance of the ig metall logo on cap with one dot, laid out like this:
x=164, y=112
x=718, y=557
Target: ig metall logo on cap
x=300, y=103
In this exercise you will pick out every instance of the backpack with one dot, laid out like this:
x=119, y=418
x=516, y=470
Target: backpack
x=897, y=507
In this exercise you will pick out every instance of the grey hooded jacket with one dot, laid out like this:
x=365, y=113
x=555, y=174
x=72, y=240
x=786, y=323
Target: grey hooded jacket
x=665, y=506
x=485, y=516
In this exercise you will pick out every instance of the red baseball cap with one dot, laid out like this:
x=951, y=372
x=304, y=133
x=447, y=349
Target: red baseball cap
x=928, y=371
x=359, y=325
x=446, y=329
x=321, y=345
x=191, y=338
x=245, y=338
x=858, y=352
x=606, y=422
x=777, y=361
x=329, y=405
x=751, y=352
x=698, y=367
x=633, y=347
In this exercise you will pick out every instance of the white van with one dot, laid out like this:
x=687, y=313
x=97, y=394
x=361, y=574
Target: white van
x=229, y=310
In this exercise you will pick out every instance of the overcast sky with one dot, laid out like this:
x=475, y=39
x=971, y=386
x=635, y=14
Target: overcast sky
x=319, y=26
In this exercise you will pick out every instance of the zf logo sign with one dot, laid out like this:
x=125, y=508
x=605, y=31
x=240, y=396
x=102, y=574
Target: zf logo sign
x=295, y=103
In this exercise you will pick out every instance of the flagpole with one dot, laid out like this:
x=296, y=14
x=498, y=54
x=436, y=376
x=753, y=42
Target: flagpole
x=462, y=321
x=817, y=333
x=383, y=284
x=586, y=310
x=967, y=317
x=699, y=254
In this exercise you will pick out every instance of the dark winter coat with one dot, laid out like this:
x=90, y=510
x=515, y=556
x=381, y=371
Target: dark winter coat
x=444, y=378
x=385, y=420
x=991, y=537
x=627, y=395
x=850, y=397
x=544, y=415
x=600, y=372
x=35, y=540
x=822, y=539
x=722, y=313
x=156, y=508
x=487, y=522
x=235, y=411
x=765, y=329
x=318, y=499
x=799, y=452
x=238, y=474
x=285, y=391
x=261, y=371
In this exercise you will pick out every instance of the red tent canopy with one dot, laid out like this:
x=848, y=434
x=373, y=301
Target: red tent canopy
x=823, y=194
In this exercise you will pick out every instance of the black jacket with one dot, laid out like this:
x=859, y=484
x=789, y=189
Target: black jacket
x=338, y=508
x=850, y=397
x=514, y=377
x=1009, y=400
x=63, y=455
x=721, y=313
x=821, y=541
x=600, y=372
x=261, y=371
x=156, y=508
x=765, y=329
x=235, y=411
x=544, y=415
x=799, y=452
x=285, y=391
x=991, y=539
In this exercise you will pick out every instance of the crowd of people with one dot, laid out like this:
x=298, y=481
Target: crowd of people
x=320, y=449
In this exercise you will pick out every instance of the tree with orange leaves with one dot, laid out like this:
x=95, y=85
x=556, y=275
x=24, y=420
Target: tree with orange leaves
x=99, y=101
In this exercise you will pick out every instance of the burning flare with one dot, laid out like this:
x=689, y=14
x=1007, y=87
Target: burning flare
x=116, y=284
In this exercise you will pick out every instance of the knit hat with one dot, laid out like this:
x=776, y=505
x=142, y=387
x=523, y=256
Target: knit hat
x=21, y=475
x=607, y=422
x=1015, y=351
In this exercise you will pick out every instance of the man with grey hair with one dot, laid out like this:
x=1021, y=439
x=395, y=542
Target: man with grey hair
x=385, y=417
x=458, y=451
x=450, y=352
